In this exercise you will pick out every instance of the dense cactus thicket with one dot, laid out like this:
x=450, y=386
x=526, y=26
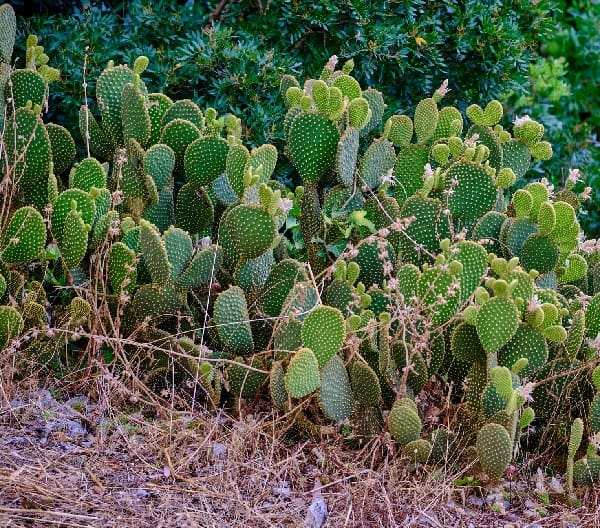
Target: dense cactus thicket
x=410, y=263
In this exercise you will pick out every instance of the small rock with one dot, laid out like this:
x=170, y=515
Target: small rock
x=219, y=451
x=474, y=500
x=140, y=493
x=317, y=513
x=283, y=489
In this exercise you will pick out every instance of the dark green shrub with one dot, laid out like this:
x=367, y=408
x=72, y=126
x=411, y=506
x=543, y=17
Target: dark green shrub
x=404, y=48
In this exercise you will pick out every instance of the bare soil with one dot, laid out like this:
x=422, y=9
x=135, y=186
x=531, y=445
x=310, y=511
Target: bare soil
x=80, y=463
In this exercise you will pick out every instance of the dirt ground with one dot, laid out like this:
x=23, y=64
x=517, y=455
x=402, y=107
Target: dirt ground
x=79, y=463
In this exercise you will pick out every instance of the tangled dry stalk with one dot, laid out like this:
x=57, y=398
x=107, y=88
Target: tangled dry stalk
x=157, y=466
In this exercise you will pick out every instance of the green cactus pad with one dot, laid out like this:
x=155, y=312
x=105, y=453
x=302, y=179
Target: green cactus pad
x=252, y=230
x=313, y=140
x=447, y=117
x=302, y=375
x=264, y=156
x=476, y=382
x=434, y=285
x=335, y=395
x=154, y=253
x=63, y=147
x=404, y=423
x=243, y=382
x=87, y=174
x=365, y=383
x=157, y=106
x=524, y=287
x=278, y=285
x=178, y=134
x=576, y=268
x=73, y=244
x=488, y=228
x=24, y=238
x=517, y=233
x=522, y=202
x=179, y=247
x=418, y=450
x=420, y=236
x=277, y=389
x=205, y=160
x=237, y=160
x=134, y=115
x=63, y=205
x=301, y=300
x=488, y=138
x=195, y=211
x=8, y=28
x=161, y=214
x=159, y=163
x=408, y=277
x=204, y=265
x=27, y=85
x=473, y=258
x=497, y=323
x=586, y=472
x=340, y=294
x=494, y=449
x=426, y=119
x=324, y=331
x=99, y=142
x=399, y=129
x=29, y=152
x=109, y=89
x=348, y=86
x=184, y=109
x=465, y=344
x=594, y=414
x=358, y=113
x=540, y=253
x=418, y=373
x=576, y=334
x=373, y=253
x=408, y=171
x=546, y=218
x=474, y=195
x=377, y=106
x=375, y=163
x=443, y=446
x=251, y=274
x=347, y=156
x=489, y=117
x=121, y=268
x=516, y=156
x=233, y=321
x=11, y=325
x=526, y=343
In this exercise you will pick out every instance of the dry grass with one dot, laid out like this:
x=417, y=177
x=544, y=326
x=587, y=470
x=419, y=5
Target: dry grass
x=161, y=468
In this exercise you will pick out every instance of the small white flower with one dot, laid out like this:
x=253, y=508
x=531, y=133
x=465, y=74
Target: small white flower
x=205, y=242
x=428, y=171
x=285, y=204
x=574, y=175
x=443, y=89
x=586, y=194
x=389, y=177
x=332, y=63
x=470, y=142
x=520, y=121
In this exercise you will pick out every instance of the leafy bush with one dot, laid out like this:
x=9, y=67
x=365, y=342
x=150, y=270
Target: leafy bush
x=406, y=49
x=564, y=96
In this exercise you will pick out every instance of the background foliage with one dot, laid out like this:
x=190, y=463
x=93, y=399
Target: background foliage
x=543, y=54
